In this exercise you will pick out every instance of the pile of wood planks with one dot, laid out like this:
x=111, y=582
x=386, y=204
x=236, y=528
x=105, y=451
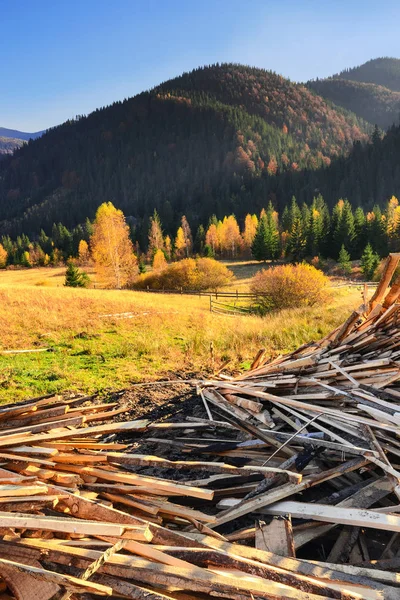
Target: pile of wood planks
x=288, y=486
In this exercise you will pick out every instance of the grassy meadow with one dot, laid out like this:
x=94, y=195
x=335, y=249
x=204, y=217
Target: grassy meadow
x=104, y=339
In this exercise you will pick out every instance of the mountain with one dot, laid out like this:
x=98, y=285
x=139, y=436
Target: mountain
x=11, y=139
x=210, y=141
x=372, y=90
x=379, y=71
x=19, y=135
x=8, y=145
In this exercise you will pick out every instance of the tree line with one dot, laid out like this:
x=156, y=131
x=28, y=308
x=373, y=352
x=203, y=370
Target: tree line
x=299, y=232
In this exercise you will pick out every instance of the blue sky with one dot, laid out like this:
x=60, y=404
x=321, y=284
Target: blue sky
x=61, y=58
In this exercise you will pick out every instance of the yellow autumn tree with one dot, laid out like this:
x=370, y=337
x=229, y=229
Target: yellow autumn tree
x=249, y=232
x=212, y=237
x=231, y=239
x=180, y=243
x=3, y=257
x=112, y=250
x=393, y=222
x=83, y=252
x=159, y=261
x=168, y=247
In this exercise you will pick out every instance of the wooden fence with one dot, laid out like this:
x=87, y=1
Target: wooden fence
x=225, y=308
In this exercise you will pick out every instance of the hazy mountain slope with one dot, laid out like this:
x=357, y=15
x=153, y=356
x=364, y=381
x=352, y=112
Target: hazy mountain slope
x=19, y=135
x=8, y=145
x=371, y=91
x=210, y=141
x=374, y=103
x=380, y=71
x=12, y=139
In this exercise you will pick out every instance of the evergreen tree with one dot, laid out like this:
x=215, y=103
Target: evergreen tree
x=200, y=240
x=359, y=231
x=74, y=277
x=315, y=229
x=376, y=231
x=344, y=261
x=343, y=231
x=272, y=232
x=296, y=247
x=369, y=262
x=260, y=246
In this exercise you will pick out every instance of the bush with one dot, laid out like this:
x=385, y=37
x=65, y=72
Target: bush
x=289, y=286
x=198, y=274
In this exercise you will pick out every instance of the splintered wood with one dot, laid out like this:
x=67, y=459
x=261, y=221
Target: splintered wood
x=287, y=487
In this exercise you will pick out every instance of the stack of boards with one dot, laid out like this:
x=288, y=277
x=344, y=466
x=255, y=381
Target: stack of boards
x=289, y=488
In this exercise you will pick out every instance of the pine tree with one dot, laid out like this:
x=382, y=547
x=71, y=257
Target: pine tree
x=376, y=231
x=200, y=240
x=359, y=231
x=296, y=246
x=272, y=232
x=369, y=262
x=343, y=230
x=260, y=247
x=74, y=277
x=344, y=261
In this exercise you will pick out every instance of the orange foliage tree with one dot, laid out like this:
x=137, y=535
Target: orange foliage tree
x=159, y=261
x=156, y=240
x=3, y=257
x=83, y=253
x=231, y=239
x=250, y=228
x=112, y=250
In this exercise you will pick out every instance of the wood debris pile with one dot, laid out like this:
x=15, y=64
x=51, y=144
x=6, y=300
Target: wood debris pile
x=288, y=488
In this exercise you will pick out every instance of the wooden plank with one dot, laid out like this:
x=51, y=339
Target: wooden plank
x=149, y=482
x=72, y=583
x=86, y=432
x=239, y=508
x=334, y=514
x=277, y=537
x=22, y=521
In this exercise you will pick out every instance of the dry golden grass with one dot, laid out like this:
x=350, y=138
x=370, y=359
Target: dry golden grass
x=162, y=334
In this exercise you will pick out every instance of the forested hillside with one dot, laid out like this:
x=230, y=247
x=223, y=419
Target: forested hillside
x=8, y=145
x=216, y=140
x=372, y=91
x=380, y=71
x=12, y=139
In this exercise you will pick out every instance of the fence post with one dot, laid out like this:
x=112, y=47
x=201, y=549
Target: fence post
x=237, y=294
x=148, y=288
x=210, y=303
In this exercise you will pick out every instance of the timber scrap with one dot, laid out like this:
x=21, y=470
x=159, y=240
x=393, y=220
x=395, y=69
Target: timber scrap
x=289, y=487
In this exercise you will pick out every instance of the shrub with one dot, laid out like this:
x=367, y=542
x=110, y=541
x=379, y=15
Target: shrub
x=188, y=274
x=289, y=286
